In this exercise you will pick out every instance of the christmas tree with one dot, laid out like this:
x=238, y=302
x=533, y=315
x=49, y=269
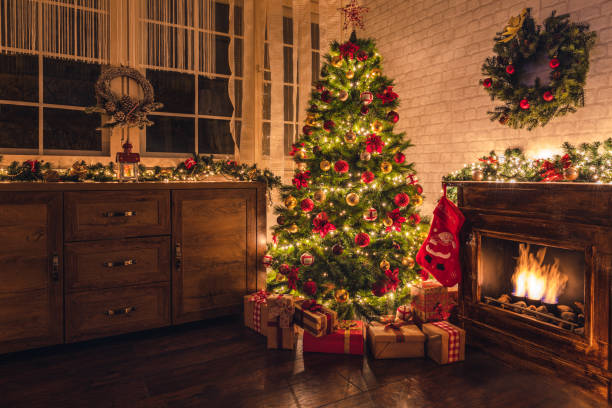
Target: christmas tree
x=349, y=226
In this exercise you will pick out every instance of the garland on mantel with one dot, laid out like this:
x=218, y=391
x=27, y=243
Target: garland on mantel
x=196, y=168
x=590, y=162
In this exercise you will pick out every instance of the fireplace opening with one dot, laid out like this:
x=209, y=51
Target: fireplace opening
x=537, y=282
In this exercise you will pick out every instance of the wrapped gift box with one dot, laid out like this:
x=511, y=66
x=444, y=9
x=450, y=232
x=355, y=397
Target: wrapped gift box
x=445, y=342
x=395, y=339
x=348, y=338
x=430, y=301
x=314, y=318
x=404, y=313
x=280, y=329
x=256, y=311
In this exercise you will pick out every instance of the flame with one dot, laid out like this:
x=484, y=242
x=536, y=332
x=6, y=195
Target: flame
x=536, y=281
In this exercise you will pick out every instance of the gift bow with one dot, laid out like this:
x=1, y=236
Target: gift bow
x=392, y=324
x=347, y=324
x=259, y=297
x=312, y=306
x=281, y=307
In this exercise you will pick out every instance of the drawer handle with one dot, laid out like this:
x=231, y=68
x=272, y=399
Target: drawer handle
x=119, y=214
x=178, y=255
x=127, y=262
x=120, y=311
x=55, y=267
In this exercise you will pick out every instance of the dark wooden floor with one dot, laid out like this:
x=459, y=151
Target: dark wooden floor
x=222, y=364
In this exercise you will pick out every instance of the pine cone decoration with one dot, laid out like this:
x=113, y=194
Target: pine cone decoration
x=110, y=107
x=119, y=117
x=127, y=104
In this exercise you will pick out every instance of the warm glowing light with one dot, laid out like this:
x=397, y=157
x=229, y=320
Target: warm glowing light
x=536, y=281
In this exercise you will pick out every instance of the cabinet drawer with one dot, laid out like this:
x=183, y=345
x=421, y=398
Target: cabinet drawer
x=109, y=312
x=116, y=214
x=107, y=264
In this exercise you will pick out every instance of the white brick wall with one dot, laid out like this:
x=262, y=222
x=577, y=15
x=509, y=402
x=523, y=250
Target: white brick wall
x=434, y=50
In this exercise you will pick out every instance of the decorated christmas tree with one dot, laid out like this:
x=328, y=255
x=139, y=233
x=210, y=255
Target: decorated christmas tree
x=349, y=226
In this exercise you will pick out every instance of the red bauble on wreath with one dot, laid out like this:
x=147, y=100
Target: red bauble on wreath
x=524, y=104
x=487, y=82
x=510, y=69
x=548, y=96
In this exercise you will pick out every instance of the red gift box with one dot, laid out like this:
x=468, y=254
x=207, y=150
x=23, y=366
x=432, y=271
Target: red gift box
x=347, y=339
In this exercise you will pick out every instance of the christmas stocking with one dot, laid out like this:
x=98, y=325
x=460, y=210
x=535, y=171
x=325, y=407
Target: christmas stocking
x=439, y=254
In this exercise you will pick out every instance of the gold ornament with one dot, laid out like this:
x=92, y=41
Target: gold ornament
x=387, y=222
x=350, y=137
x=418, y=200
x=352, y=199
x=343, y=95
x=375, y=72
x=300, y=154
x=341, y=295
x=385, y=265
x=325, y=165
x=293, y=228
x=386, y=167
x=477, y=175
x=570, y=174
x=514, y=25
x=377, y=126
x=408, y=261
x=302, y=166
x=311, y=120
x=336, y=61
x=290, y=202
x=319, y=196
x=365, y=156
x=350, y=74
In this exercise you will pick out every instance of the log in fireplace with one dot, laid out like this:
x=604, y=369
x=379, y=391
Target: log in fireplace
x=535, y=291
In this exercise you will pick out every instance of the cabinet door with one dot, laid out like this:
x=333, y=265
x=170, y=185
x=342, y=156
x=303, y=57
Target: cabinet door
x=30, y=270
x=214, y=248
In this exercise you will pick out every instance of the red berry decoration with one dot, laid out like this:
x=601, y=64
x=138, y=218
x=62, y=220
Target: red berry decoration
x=341, y=166
x=367, y=177
x=510, y=69
x=402, y=199
x=487, y=82
x=399, y=157
x=310, y=288
x=307, y=205
x=392, y=116
x=548, y=96
x=362, y=239
x=554, y=63
x=329, y=125
x=524, y=104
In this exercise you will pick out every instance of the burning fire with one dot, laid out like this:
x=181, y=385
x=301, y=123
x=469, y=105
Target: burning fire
x=536, y=281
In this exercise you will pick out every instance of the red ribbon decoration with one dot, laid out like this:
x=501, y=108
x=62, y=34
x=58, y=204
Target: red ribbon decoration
x=392, y=324
x=489, y=160
x=322, y=225
x=387, y=95
x=348, y=50
x=189, y=163
x=32, y=164
x=292, y=277
x=397, y=219
x=301, y=179
x=295, y=148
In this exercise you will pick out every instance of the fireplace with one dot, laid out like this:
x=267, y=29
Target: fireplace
x=535, y=289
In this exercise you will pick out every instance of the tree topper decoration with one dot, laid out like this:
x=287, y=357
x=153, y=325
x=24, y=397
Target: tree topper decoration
x=125, y=110
x=353, y=14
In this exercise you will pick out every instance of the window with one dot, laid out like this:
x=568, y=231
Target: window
x=290, y=114
x=267, y=98
x=201, y=92
x=315, y=48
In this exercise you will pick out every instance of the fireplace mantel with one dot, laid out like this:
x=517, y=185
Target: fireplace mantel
x=572, y=216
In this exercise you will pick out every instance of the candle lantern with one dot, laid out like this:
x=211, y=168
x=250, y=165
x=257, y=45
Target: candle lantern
x=127, y=161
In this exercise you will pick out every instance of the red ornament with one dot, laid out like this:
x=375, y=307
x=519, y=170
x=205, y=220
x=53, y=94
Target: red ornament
x=392, y=116
x=510, y=69
x=326, y=96
x=487, y=82
x=548, y=96
x=371, y=214
x=337, y=249
x=284, y=269
x=379, y=288
x=307, y=130
x=189, y=163
x=329, y=125
x=365, y=110
x=419, y=189
x=307, y=205
x=399, y=157
x=524, y=104
x=415, y=219
x=374, y=144
x=366, y=98
x=341, y=166
x=367, y=177
x=362, y=239
x=402, y=199
x=362, y=56
x=267, y=260
x=554, y=63
x=412, y=179
x=310, y=288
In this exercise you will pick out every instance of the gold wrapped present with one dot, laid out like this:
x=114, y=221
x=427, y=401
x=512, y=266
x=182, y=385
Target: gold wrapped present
x=445, y=342
x=314, y=318
x=256, y=311
x=281, y=332
x=395, y=339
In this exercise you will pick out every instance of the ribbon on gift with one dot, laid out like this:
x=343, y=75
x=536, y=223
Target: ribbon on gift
x=259, y=298
x=313, y=307
x=404, y=313
x=347, y=325
x=395, y=325
x=281, y=308
x=454, y=340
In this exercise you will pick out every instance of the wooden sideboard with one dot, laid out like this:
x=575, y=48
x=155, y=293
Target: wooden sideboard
x=86, y=260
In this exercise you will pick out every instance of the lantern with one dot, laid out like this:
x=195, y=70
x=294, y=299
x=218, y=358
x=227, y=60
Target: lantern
x=127, y=162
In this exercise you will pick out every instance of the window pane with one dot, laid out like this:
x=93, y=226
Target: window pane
x=266, y=56
x=238, y=60
x=288, y=103
x=213, y=97
x=238, y=131
x=288, y=65
x=18, y=127
x=267, y=75
x=315, y=67
x=69, y=82
x=265, y=140
x=314, y=36
x=287, y=30
x=222, y=55
x=215, y=137
x=267, y=101
x=289, y=131
x=222, y=17
x=175, y=90
x=238, y=98
x=238, y=21
x=171, y=134
x=19, y=77
x=71, y=130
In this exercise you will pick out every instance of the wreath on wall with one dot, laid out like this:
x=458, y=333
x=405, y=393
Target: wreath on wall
x=124, y=110
x=561, y=46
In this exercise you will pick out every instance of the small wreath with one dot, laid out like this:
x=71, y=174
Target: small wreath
x=565, y=44
x=125, y=110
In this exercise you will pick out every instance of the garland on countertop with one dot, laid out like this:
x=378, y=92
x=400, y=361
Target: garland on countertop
x=562, y=45
x=195, y=168
x=590, y=162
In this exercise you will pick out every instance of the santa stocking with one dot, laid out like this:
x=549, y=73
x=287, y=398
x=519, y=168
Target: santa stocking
x=439, y=254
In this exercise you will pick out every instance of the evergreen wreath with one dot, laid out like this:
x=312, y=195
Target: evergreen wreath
x=566, y=45
x=125, y=110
